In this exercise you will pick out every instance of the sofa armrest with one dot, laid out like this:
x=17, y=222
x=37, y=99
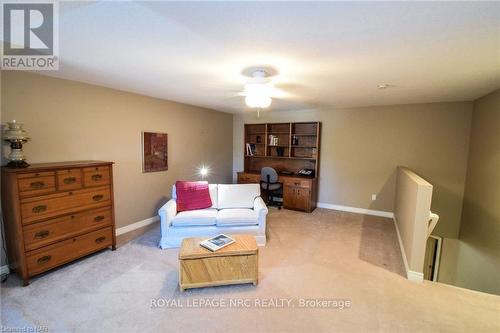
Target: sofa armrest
x=260, y=207
x=167, y=212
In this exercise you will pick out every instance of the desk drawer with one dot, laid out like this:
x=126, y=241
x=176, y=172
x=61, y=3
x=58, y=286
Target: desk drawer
x=297, y=182
x=34, y=209
x=248, y=178
x=44, y=233
x=36, y=184
x=65, y=251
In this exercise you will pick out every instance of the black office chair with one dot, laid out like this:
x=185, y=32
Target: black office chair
x=272, y=188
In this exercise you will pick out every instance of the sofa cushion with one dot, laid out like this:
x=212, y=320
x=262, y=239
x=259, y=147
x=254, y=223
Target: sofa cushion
x=236, y=217
x=200, y=217
x=212, y=188
x=237, y=195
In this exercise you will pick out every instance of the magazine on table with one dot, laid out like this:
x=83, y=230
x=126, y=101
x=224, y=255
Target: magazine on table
x=216, y=243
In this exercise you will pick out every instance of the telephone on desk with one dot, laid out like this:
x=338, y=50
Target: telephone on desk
x=306, y=173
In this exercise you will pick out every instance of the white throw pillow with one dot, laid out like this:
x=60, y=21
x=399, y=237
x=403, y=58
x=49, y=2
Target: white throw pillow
x=237, y=195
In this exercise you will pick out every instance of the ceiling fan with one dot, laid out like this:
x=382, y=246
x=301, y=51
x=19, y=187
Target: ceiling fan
x=259, y=90
x=263, y=85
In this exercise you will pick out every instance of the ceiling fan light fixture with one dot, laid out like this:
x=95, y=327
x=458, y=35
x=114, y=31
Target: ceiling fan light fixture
x=258, y=90
x=258, y=101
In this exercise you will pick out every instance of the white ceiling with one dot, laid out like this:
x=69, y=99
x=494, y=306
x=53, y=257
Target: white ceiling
x=328, y=54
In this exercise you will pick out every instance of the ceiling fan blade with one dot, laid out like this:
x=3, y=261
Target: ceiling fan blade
x=234, y=97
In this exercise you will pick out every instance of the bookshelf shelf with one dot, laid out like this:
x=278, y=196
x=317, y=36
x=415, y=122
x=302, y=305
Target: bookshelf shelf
x=297, y=146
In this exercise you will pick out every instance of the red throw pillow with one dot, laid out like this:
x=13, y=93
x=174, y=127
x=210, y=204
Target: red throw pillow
x=192, y=195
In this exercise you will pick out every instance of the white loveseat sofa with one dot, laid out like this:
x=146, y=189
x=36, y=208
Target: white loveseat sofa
x=236, y=209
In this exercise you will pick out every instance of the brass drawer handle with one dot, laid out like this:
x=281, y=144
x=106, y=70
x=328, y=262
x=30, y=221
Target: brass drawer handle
x=44, y=260
x=39, y=209
x=99, y=218
x=100, y=240
x=297, y=184
x=37, y=185
x=97, y=197
x=96, y=177
x=41, y=234
x=69, y=180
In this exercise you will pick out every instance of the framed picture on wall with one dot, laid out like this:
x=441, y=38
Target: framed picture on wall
x=154, y=151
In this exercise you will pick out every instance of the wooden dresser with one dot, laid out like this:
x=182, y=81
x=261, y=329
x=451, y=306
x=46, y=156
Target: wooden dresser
x=55, y=213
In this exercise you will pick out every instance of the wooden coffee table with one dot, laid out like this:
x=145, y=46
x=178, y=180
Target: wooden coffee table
x=234, y=264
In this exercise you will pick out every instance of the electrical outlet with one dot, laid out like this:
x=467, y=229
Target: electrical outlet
x=374, y=197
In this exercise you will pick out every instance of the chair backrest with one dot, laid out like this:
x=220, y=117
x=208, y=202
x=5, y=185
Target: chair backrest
x=268, y=171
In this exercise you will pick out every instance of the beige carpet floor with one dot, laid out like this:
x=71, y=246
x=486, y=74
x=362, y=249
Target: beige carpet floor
x=324, y=255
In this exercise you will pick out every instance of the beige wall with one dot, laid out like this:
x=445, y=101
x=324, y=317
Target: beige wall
x=361, y=147
x=69, y=120
x=478, y=262
x=3, y=254
x=412, y=205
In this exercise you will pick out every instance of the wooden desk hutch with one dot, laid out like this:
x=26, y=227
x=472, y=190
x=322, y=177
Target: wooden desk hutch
x=288, y=148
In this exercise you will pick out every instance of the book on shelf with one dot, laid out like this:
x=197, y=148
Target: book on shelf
x=250, y=148
x=273, y=140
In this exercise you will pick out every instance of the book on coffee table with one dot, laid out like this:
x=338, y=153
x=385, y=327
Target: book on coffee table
x=216, y=243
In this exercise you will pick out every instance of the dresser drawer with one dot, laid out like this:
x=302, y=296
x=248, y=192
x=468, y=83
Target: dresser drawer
x=97, y=176
x=34, y=209
x=44, y=233
x=70, y=179
x=36, y=184
x=54, y=255
x=297, y=182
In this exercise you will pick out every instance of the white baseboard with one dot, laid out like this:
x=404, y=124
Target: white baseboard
x=415, y=276
x=356, y=210
x=137, y=225
x=4, y=269
x=411, y=275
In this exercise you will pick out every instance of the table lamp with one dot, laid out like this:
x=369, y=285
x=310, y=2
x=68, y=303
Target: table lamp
x=16, y=136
